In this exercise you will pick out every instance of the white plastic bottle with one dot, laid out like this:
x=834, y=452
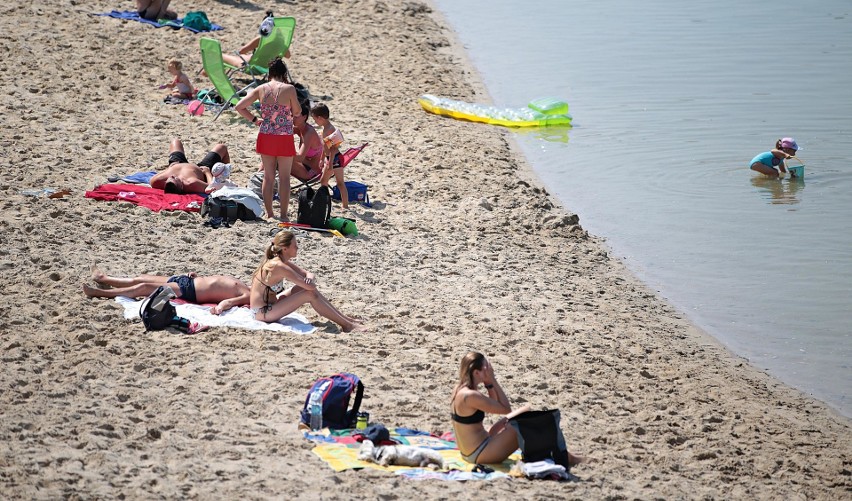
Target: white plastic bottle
x=315, y=407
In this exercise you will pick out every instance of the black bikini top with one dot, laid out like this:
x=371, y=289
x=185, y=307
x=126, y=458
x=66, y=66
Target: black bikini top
x=476, y=417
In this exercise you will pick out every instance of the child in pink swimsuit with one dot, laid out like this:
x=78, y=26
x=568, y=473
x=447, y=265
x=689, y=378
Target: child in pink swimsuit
x=181, y=86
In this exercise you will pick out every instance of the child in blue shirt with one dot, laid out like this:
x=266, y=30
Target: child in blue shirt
x=766, y=162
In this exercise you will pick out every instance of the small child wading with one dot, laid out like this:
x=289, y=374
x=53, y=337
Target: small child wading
x=766, y=162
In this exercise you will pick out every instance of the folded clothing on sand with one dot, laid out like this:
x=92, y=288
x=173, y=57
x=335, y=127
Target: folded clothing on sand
x=239, y=317
x=131, y=15
x=152, y=198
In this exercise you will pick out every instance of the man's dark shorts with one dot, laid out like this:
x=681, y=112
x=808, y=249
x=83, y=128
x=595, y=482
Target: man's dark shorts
x=186, y=286
x=209, y=160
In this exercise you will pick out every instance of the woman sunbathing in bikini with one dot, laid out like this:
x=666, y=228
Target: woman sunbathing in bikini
x=468, y=408
x=226, y=292
x=268, y=281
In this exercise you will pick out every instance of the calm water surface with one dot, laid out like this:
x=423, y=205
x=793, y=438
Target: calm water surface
x=670, y=102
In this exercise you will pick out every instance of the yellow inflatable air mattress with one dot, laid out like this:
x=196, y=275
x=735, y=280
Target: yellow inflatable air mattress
x=539, y=113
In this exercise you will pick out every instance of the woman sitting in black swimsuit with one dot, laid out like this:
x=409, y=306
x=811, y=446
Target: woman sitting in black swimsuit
x=469, y=406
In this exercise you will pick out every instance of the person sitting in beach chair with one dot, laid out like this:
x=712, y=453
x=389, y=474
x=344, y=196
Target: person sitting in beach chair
x=274, y=39
x=306, y=163
x=182, y=176
x=269, y=300
x=226, y=292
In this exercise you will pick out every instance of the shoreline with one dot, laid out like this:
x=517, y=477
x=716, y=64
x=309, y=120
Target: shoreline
x=462, y=250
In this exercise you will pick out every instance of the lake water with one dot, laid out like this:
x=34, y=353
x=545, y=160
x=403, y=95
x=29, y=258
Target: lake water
x=671, y=100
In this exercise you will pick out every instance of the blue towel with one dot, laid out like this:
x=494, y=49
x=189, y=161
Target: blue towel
x=134, y=16
x=139, y=177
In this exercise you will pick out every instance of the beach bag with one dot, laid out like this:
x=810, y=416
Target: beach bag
x=357, y=193
x=256, y=185
x=336, y=391
x=540, y=438
x=197, y=20
x=156, y=311
x=346, y=226
x=314, y=207
x=229, y=210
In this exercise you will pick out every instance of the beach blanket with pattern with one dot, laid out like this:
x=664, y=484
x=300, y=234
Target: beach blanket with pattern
x=130, y=15
x=339, y=449
x=152, y=198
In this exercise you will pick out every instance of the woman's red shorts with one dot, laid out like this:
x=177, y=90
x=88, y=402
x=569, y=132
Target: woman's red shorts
x=276, y=146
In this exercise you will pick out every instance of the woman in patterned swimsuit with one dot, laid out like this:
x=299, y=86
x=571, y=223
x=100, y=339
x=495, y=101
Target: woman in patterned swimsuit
x=278, y=104
x=268, y=302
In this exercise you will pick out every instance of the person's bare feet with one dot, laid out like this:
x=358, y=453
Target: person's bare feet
x=97, y=274
x=356, y=327
x=575, y=460
x=89, y=291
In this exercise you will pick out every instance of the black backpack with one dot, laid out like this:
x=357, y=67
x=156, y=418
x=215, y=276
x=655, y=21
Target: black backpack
x=228, y=210
x=156, y=311
x=314, y=207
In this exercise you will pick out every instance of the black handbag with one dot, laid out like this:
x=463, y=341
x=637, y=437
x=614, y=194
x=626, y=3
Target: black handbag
x=540, y=437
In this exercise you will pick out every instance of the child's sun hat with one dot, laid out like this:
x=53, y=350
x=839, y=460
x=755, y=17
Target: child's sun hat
x=221, y=171
x=789, y=142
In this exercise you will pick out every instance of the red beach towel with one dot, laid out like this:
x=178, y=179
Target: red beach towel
x=154, y=199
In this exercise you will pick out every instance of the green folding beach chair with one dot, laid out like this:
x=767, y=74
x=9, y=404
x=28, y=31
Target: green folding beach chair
x=271, y=46
x=211, y=58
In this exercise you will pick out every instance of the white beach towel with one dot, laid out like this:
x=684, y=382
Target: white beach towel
x=241, y=317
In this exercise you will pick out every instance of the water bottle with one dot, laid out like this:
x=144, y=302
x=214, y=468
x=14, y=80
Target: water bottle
x=315, y=406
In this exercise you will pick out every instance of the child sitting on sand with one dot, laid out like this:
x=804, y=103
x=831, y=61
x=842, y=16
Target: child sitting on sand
x=182, y=87
x=332, y=139
x=766, y=162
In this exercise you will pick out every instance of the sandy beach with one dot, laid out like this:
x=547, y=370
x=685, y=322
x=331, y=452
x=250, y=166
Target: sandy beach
x=462, y=250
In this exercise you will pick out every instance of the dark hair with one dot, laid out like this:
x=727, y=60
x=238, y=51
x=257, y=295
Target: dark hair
x=320, y=110
x=268, y=14
x=278, y=70
x=171, y=187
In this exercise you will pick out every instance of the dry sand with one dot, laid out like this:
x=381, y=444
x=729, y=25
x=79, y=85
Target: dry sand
x=461, y=251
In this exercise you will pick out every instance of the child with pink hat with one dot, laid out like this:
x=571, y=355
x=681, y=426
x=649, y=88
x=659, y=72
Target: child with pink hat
x=766, y=162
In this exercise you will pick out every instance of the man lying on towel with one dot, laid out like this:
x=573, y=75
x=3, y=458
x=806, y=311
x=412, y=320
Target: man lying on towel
x=182, y=176
x=225, y=291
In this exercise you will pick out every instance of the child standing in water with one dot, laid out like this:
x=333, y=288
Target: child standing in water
x=332, y=139
x=182, y=88
x=766, y=162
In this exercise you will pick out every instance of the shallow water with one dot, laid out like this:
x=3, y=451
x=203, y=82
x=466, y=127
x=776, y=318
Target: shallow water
x=671, y=100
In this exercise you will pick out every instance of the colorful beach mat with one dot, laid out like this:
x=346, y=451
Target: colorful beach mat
x=339, y=449
x=131, y=15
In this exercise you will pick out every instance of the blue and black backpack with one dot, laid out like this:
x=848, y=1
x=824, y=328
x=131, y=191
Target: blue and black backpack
x=336, y=391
